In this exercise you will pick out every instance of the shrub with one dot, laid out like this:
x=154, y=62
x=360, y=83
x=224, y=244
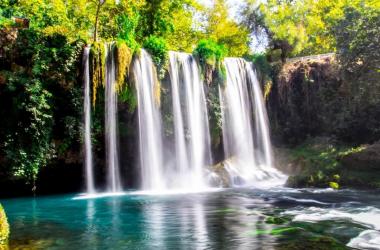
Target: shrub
x=209, y=52
x=158, y=49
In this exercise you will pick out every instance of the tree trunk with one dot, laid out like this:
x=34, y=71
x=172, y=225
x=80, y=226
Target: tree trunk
x=96, y=23
x=99, y=6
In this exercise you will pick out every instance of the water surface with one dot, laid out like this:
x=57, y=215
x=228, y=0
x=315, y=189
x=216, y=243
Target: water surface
x=224, y=219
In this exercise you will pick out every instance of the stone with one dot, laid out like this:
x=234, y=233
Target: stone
x=367, y=159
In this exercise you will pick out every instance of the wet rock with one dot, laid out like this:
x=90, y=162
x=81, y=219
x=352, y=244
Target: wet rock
x=221, y=177
x=315, y=243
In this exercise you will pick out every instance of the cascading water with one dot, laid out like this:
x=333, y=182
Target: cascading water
x=112, y=149
x=192, y=140
x=247, y=150
x=261, y=119
x=149, y=115
x=90, y=188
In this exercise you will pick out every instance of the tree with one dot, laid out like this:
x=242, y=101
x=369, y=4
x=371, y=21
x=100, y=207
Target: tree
x=305, y=25
x=171, y=20
x=223, y=30
x=358, y=47
x=99, y=4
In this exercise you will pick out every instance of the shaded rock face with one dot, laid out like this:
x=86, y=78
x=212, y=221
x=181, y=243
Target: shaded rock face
x=305, y=99
x=366, y=160
x=315, y=97
x=362, y=169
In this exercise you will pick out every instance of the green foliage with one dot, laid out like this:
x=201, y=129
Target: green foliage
x=4, y=227
x=359, y=55
x=186, y=30
x=303, y=27
x=128, y=25
x=210, y=52
x=158, y=16
x=38, y=88
x=27, y=145
x=262, y=64
x=158, y=49
x=355, y=34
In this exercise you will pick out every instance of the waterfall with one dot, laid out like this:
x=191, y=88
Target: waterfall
x=261, y=118
x=192, y=140
x=149, y=116
x=247, y=147
x=87, y=124
x=112, y=149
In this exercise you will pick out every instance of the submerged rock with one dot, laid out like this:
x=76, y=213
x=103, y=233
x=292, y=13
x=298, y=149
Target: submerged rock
x=315, y=243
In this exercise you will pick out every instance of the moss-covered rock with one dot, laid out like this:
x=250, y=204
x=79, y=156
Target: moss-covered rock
x=124, y=58
x=318, y=163
x=98, y=64
x=4, y=228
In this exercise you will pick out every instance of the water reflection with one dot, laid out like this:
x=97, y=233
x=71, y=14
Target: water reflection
x=90, y=234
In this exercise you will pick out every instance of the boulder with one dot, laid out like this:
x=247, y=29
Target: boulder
x=365, y=160
x=219, y=175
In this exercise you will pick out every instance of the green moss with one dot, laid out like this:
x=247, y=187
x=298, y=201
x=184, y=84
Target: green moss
x=128, y=95
x=334, y=185
x=98, y=64
x=275, y=220
x=275, y=232
x=4, y=227
x=124, y=59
